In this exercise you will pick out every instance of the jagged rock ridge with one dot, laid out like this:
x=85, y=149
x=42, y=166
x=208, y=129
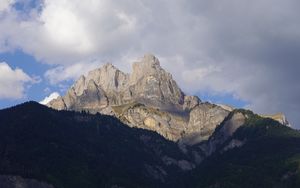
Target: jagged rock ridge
x=147, y=98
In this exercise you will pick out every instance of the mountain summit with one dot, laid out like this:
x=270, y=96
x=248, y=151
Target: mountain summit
x=148, y=98
x=47, y=148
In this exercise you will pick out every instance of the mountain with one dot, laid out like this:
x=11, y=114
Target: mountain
x=261, y=152
x=75, y=150
x=148, y=98
x=114, y=129
x=44, y=148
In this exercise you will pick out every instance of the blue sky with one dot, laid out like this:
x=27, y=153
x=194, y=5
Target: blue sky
x=30, y=66
x=37, y=91
x=242, y=53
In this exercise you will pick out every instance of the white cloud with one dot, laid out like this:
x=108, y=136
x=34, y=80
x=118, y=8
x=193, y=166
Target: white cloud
x=13, y=82
x=72, y=72
x=71, y=31
x=64, y=28
x=49, y=98
x=5, y=4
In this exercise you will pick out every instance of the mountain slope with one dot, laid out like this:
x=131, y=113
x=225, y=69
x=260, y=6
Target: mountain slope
x=65, y=149
x=266, y=154
x=71, y=149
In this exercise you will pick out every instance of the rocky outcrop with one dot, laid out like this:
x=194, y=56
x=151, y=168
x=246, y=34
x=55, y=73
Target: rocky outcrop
x=147, y=98
x=204, y=119
x=226, y=107
x=19, y=182
x=217, y=141
x=225, y=132
x=280, y=117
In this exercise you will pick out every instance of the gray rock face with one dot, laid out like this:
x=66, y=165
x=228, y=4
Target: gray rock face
x=225, y=132
x=147, y=98
x=204, y=118
x=221, y=140
x=190, y=102
x=19, y=182
x=151, y=84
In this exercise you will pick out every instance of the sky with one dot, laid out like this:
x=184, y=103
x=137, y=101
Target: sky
x=237, y=52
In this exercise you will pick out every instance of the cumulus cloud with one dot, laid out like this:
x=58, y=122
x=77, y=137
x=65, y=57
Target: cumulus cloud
x=5, y=4
x=71, y=72
x=49, y=98
x=13, y=82
x=70, y=31
x=247, y=49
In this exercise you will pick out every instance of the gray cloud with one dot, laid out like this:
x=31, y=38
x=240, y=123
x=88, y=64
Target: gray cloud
x=246, y=48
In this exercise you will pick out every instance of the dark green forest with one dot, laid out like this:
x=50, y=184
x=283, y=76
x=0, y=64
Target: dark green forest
x=80, y=150
x=71, y=149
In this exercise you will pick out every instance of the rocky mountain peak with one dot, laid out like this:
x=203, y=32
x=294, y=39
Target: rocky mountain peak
x=109, y=66
x=148, y=65
x=149, y=60
x=148, y=98
x=151, y=84
x=108, y=78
